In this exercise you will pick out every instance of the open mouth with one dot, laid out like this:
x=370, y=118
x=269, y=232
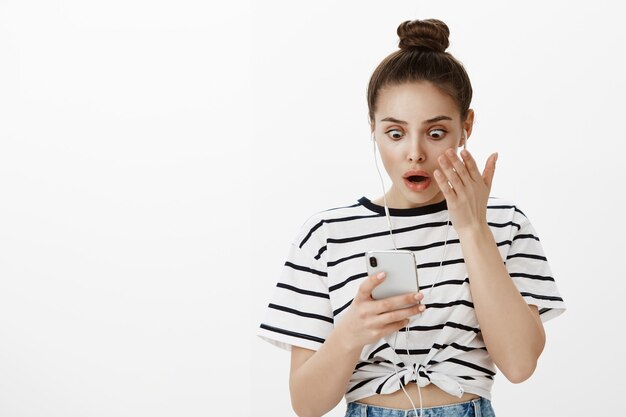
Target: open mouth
x=416, y=178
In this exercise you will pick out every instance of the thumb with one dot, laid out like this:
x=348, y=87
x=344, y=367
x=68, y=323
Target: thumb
x=490, y=169
x=368, y=285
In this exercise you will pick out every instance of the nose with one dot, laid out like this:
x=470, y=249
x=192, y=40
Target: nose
x=416, y=151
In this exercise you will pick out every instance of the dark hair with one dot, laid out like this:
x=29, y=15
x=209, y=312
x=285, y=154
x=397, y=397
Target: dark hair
x=422, y=57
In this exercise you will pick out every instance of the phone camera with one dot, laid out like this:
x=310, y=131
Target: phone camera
x=373, y=262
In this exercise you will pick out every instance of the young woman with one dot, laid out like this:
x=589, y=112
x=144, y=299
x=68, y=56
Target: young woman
x=484, y=283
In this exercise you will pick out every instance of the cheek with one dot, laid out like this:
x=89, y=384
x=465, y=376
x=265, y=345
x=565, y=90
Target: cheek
x=392, y=151
x=440, y=148
x=391, y=158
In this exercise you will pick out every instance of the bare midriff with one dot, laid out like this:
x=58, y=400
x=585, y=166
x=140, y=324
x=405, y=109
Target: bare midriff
x=432, y=396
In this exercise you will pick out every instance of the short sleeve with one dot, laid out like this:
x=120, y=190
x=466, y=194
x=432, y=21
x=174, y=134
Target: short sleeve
x=299, y=312
x=529, y=269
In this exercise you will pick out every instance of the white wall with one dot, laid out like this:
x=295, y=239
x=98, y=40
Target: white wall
x=119, y=121
x=549, y=87
x=156, y=158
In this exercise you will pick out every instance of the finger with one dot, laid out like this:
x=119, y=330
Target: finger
x=459, y=167
x=400, y=314
x=490, y=169
x=367, y=286
x=453, y=177
x=470, y=164
x=394, y=327
x=397, y=302
x=445, y=188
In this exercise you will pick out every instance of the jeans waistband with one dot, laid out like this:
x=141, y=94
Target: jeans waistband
x=472, y=408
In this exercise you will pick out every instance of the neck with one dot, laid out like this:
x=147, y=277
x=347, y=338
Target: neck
x=394, y=200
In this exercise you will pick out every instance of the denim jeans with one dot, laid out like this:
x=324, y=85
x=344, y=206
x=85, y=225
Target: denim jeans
x=480, y=407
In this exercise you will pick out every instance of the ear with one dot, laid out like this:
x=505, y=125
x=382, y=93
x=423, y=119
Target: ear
x=467, y=126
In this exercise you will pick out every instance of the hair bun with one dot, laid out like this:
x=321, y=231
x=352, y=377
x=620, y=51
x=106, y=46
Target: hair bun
x=428, y=34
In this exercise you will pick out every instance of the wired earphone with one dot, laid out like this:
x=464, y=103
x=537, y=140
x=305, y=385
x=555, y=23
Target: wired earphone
x=393, y=240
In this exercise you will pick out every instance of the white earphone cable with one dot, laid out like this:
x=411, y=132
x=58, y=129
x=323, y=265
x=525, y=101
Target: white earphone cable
x=382, y=183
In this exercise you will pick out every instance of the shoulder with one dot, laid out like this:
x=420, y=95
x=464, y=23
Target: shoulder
x=314, y=228
x=498, y=207
x=499, y=203
x=505, y=215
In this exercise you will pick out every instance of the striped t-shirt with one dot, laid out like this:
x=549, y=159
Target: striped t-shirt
x=326, y=264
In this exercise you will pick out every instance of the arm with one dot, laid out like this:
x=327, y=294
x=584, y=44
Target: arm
x=512, y=330
x=318, y=379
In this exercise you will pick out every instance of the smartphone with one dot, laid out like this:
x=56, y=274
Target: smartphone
x=401, y=270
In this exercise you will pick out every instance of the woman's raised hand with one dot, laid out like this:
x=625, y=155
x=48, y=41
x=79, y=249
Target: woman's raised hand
x=466, y=190
x=368, y=320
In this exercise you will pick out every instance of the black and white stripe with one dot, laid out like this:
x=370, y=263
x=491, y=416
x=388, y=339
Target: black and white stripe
x=326, y=265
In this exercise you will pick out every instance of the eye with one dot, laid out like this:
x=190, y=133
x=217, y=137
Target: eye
x=437, y=133
x=394, y=134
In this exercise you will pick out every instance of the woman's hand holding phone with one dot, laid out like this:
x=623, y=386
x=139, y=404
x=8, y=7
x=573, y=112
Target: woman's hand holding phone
x=368, y=320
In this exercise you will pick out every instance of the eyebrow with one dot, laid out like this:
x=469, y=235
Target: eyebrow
x=402, y=122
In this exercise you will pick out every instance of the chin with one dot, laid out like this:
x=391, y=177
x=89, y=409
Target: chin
x=422, y=199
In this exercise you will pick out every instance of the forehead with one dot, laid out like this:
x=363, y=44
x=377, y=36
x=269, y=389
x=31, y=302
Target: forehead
x=414, y=102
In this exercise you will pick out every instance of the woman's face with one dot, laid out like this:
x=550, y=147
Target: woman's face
x=414, y=124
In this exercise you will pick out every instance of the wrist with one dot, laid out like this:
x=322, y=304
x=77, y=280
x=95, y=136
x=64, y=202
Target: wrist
x=343, y=339
x=475, y=231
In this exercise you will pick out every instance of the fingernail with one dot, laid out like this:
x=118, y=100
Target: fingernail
x=417, y=296
x=381, y=275
x=422, y=307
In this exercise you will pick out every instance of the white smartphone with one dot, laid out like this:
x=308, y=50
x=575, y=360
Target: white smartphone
x=401, y=272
